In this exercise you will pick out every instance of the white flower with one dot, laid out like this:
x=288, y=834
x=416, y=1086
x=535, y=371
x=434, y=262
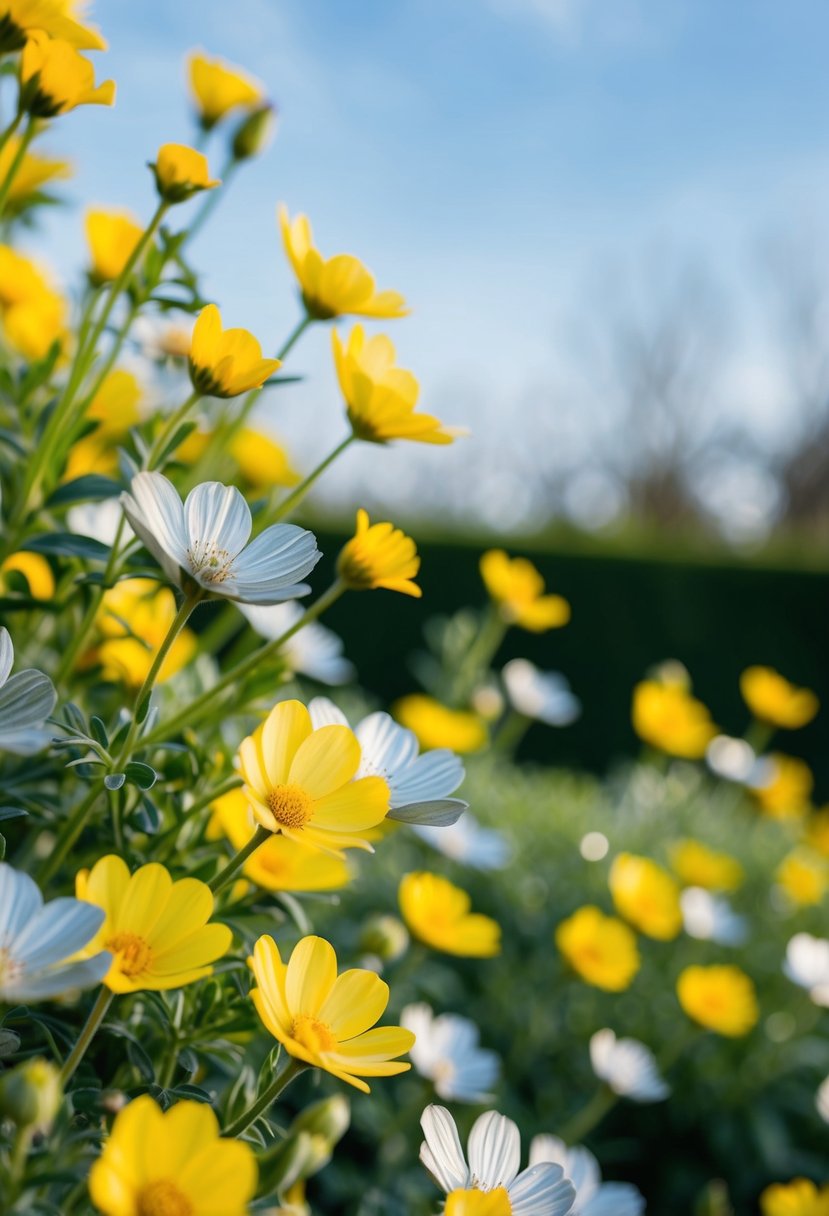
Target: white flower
x=467, y=842
x=710, y=918
x=100, y=520
x=822, y=1100
x=627, y=1067
x=26, y=700
x=544, y=695
x=419, y=785
x=807, y=964
x=736, y=760
x=447, y=1053
x=37, y=939
x=312, y=651
x=494, y=1150
x=206, y=539
x=593, y=1197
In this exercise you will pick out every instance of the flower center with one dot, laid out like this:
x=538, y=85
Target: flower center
x=9, y=969
x=478, y=1203
x=133, y=955
x=162, y=1198
x=209, y=561
x=290, y=806
x=312, y=1035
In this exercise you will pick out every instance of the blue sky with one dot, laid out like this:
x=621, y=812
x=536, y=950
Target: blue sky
x=493, y=159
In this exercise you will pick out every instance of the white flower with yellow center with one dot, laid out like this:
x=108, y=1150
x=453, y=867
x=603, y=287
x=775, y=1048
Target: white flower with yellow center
x=205, y=540
x=313, y=650
x=26, y=700
x=807, y=964
x=469, y=843
x=593, y=1197
x=710, y=918
x=37, y=941
x=448, y=1053
x=494, y=1152
x=419, y=785
x=627, y=1067
x=542, y=695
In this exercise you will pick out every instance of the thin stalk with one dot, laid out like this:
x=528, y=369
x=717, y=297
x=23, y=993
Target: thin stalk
x=210, y=203
x=91, y=1026
x=11, y=128
x=238, y=860
x=590, y=1116
x=291, y=1070
x=19, y=156
x=512, y=730
x=296, y=496
x=80, y=635
x=480, y=654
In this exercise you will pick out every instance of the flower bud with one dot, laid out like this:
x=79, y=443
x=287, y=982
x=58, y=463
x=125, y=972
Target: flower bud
x=254, y=133
x=181, y=172
x=328, y=1118
x=31, y=1094
x=385, y=936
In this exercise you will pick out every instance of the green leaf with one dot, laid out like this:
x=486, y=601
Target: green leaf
x=114, y=781
x=141, y=775
x=12, y=812
x=93, y=487
x=67, y=544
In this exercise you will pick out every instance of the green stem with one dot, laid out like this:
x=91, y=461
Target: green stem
x=238, y=860
x=194, y=712
x=296, y=496
x=93, y=1022
x=81, y=634
x=590, y=1115
x=511, y=732
x=19, y=156
x=479, y=655
x=11, y=128
x=69, y=833
x=210, y=203
x=291, y=1070
x=293, y=337
x=170, y=427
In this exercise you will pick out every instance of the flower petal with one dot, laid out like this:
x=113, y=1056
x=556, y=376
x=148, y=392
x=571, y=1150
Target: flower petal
x=311, y=974
x=441, y=1151
x=357, y=1000
x=542, y=1190
x=284, y=731
x=325, y=761
x=217, y=514
x=494, y=1150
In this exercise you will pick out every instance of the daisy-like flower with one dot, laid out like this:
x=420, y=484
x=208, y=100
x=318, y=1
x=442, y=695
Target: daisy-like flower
x=543, y=695
x=156, y=930
x=469, y=843
x=627, y=1067
x=419, y=785
x=303, y=782
x=18, y=18
x=180, y=172
x=55, y=78
x=646, y=895
x=593, y=1197
x=772, y=699
x=379, y=555
x=666, y=716
x=438, y=914
x=171, y=1163
x=204, y=540
x=27, y=698
x=111, y=235
x=601, y=949
x=324, y=1019
x=314, y=650
x=38, y=942
x=447, y=1052
x=490, y=1185
x=436, y=725
x=719, y=997
x=218, y=87
x=517, y=589
x=710, y=918
x=807, y=965
x=336, y=286
x=226, y=363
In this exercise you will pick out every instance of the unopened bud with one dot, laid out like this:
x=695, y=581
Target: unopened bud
x=385, y=936
x=328, y=1118
x=254, y=133
x=31, y=1094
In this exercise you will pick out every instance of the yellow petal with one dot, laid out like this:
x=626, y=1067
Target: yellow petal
x=311, y=974
x=357, y=1000
x=326, y=760
x=284, y=730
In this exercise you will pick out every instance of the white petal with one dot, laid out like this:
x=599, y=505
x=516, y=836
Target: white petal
x=20, y=901
x=271, y=620
x=613, y=1199
x=627, y=1066
x=42, y=985
x=441, y=1151
x=60, y=929
x=155, y=511
x=387, y=747
x=440, y=814
x=494, y=1150
x=325, y=713
x=6, y=654
x=435, y=774
x=542, y=1190
x=807, y=960
x=217, y=514
x=270, y=568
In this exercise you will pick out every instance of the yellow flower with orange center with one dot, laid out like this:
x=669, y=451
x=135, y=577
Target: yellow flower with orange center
x=171, y=1163
x=517, y=588
x=180, y=172
x=218, y=87
x=134, y=618
x=301, y=782
x=336, y=286
x=800, y=1197
x=720, y=998
x=112, y=235
x=379, y=555
x=326, y=1020
x=55, y=78
x=156, y=929
x=599, y=948
x=646, y=895
x=439, y=914
x=804, y=876
x=225, y=363
x=697, y=865
x=436, y=725
x=666, y=716
x=772, y=699
x=281, y=863
x=786, y=791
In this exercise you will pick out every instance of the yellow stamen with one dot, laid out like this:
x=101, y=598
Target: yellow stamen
x=290, y=806
x=313, y=1035
x=162, y=1198
x=132, y=951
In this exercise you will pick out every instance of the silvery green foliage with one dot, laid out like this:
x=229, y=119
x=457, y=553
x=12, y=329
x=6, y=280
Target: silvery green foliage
x=27, y=698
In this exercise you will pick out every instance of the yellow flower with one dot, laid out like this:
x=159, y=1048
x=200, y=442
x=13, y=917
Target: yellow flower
x=335, y=286
x=601, y=949
x=518, y=589
x=437, y=913
x=646, y=895
x=720, y=998
x=218, y=87
x=18, y=18
x=112, y=236
x=280, y=864
x=34, y=314
x=300, y=781
x=800, y=1197
x=478, y=1203
x=225, y=363
x=380, y=397
x=325, y=1019
x=180, y=172
x=379, y=555
x=55, y=78
x=115, y=408
x=667, y=717
x=262, y=461
x=173, y=1163
x=804, y=876
x=156, y=929
x=772, y=699
x=437, y=725
x=787, y=792
x=697, y=865
x=34, y=172
x=36, y=571
x=134, y=617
